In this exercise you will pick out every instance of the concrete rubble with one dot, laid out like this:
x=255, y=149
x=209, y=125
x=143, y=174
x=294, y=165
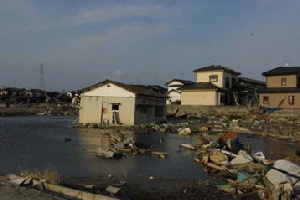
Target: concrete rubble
x=248, y=173
x=123, y=145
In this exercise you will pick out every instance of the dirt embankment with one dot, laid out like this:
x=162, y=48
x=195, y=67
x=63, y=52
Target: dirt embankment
x=40, y=110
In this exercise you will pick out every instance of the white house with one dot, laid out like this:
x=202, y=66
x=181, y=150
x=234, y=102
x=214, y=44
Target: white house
x=174, y=94
x=115, y=103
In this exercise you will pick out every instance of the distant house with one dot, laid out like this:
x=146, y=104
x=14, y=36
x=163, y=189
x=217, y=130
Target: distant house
x=174, y=94
x=114, y=103
x=248, y=90
x=51, y=97
x=214, y=87
x=283, y=88
x=36, y=96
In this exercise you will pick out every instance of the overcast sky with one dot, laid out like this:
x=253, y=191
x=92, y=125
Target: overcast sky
x=146, y=42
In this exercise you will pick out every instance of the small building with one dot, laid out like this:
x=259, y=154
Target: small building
x=174, y=94
x=115, y=103
x=283, y=88
x=214, y=87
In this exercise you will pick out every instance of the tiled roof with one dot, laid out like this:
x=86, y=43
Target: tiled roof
x=201, y=86
x=282, y=71
x=139, y=90
x=216, y=68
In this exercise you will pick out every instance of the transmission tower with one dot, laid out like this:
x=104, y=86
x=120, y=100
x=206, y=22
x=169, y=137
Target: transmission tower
x=42, y=77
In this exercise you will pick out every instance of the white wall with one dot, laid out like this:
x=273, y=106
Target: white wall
x=174, y=96
x=109, y=90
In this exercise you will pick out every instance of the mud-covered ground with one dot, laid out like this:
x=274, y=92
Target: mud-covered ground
x=8, y=192
x=156, y=189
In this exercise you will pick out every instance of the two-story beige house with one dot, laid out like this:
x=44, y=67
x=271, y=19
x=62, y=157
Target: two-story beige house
x=213, y=87
x=283, y=88
x=115, y=103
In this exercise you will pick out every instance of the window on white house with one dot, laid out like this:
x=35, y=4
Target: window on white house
x=213, y=78
x=115, y=107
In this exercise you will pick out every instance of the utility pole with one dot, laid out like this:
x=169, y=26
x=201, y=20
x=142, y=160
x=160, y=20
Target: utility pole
x=42, y=77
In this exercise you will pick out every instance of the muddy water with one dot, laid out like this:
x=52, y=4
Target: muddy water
x=38, y=142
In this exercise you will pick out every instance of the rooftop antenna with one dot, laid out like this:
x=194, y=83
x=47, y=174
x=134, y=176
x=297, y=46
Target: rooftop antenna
x=286, y=61
x=42, y=77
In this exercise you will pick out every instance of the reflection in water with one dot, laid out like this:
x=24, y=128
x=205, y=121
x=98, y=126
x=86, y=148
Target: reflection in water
x=38, y=142
x=176, y=166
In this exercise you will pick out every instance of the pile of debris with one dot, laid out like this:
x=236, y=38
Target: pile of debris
x=244, y=172
x=123, y=145
x=61, y=191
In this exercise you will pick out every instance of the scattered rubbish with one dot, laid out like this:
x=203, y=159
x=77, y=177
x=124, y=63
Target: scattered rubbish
x=28, y=181
x=218, y=157
x=242, y=158
x=253, y=173
x=184, y=131
x=122, y=145
x=112, y=190
x=44, y=185
x=18, y=181
x=259, y=156
x=284, y=176
x=189, y=146
x=162, y=155
x=107, y=153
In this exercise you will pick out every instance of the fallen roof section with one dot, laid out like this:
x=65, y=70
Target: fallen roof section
x=249, y=80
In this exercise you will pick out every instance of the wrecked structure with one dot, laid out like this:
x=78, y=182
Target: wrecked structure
x=248, y=94
x=115, y=103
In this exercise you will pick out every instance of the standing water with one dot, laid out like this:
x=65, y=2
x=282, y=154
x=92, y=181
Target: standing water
x=40, y=142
